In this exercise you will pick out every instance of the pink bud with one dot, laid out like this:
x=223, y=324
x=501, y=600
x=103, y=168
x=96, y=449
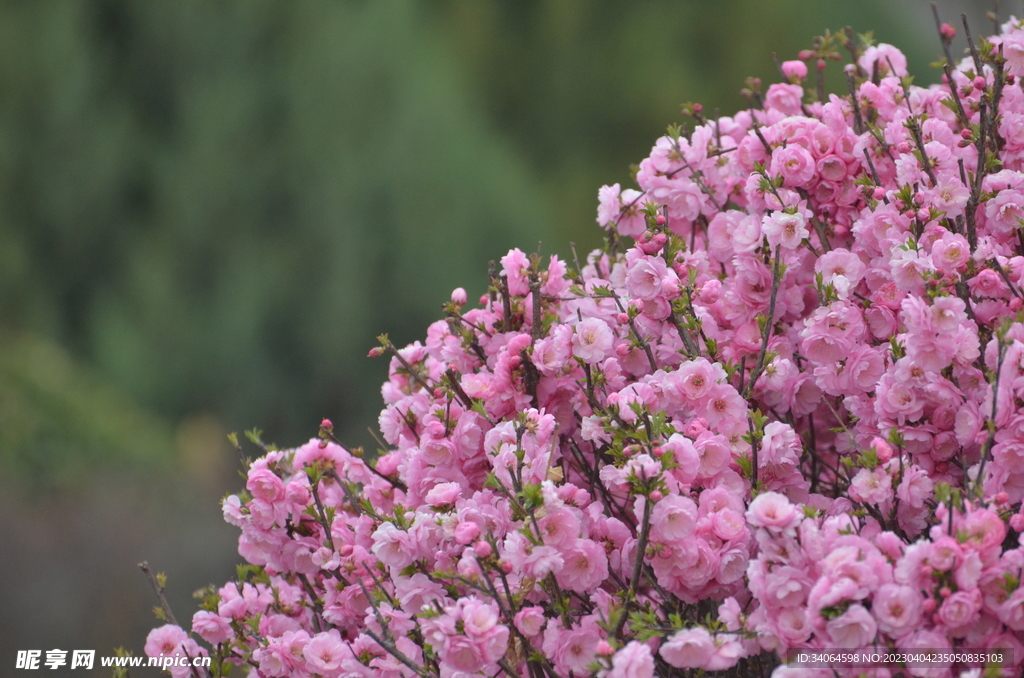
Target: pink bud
x=1010, y=79
x=697, y=108
x=438, y=393
x=466, y=532
x=805, y=54
x=459, y=296
x=326, y=423
x=794, y=70
x=979, y=82
x=654, y=245
x=660, y=219
x=1002, y=498
x=622, y=318
x=622, y=350
x=1016, y=304
x=605, y=649
x=820, y=64
x=1017, y=522
x=882, y=448
x=966, y=133
x=903, y=147
x=928, y=605
x=376, y=352
x=878, y=193
x=947, y=31
x=322, y=445
x=346, y=550
x=918, y=199
x=945, y=592
x=656, y=495
x=482, y=549
x=923, y=215
x=506, y=567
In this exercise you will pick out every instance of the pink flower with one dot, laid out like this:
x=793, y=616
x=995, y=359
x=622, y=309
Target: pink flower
x=794, y=70
x=165, y=641
x=795, y=165
x=694, y=379
x=592, y=341
x=443, y=494
x=586, y=566
x=673, y=518
x=897, y=608
x=871, y=487
x=325, y=651
x=689, y=649
x=773, y=511
x=960, y=609
x=530, y=620
x=211, y=627
x=854, y=628
x=644, y=280
x=787, y=230
x=633, y=661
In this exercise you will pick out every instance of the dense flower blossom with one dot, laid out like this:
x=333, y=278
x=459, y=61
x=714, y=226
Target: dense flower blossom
x=788, y=416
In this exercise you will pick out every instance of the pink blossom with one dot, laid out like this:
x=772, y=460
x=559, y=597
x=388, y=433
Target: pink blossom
x=673, y=518
x=689, y=649
x=586, y=566
x=632, y=661
x=325, y=651
x=785, y=230
x=773, y=511
x=592, y=341
x=853, y=629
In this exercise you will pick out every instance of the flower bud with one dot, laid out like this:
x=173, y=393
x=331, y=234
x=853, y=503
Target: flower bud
x=947, y=31
x=1017, y=522
x=979, y=83
x=1002, y=498
x=605, y=649
x=459, y=296
x=327, y=425
x=966, y=133
x=660, y=219
x=794, y=70
x=656, y=495
x=466, y=532
x=376, y=352
x=482, y=549
x=506, y=567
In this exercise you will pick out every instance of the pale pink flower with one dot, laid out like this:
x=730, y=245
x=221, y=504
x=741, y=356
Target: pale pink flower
x=688, y=649
x=633, y=661
x=674, y=518
x=592, y=341
x=774, y=512
x=783, y=229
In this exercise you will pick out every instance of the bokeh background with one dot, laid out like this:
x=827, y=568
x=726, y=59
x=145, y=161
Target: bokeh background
x=208, y=210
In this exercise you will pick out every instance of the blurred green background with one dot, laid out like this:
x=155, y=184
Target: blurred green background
x=208, y=210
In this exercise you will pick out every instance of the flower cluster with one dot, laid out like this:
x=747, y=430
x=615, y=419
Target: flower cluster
x=789, y=416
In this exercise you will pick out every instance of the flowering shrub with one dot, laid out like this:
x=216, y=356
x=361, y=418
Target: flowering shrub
x=789, y=417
